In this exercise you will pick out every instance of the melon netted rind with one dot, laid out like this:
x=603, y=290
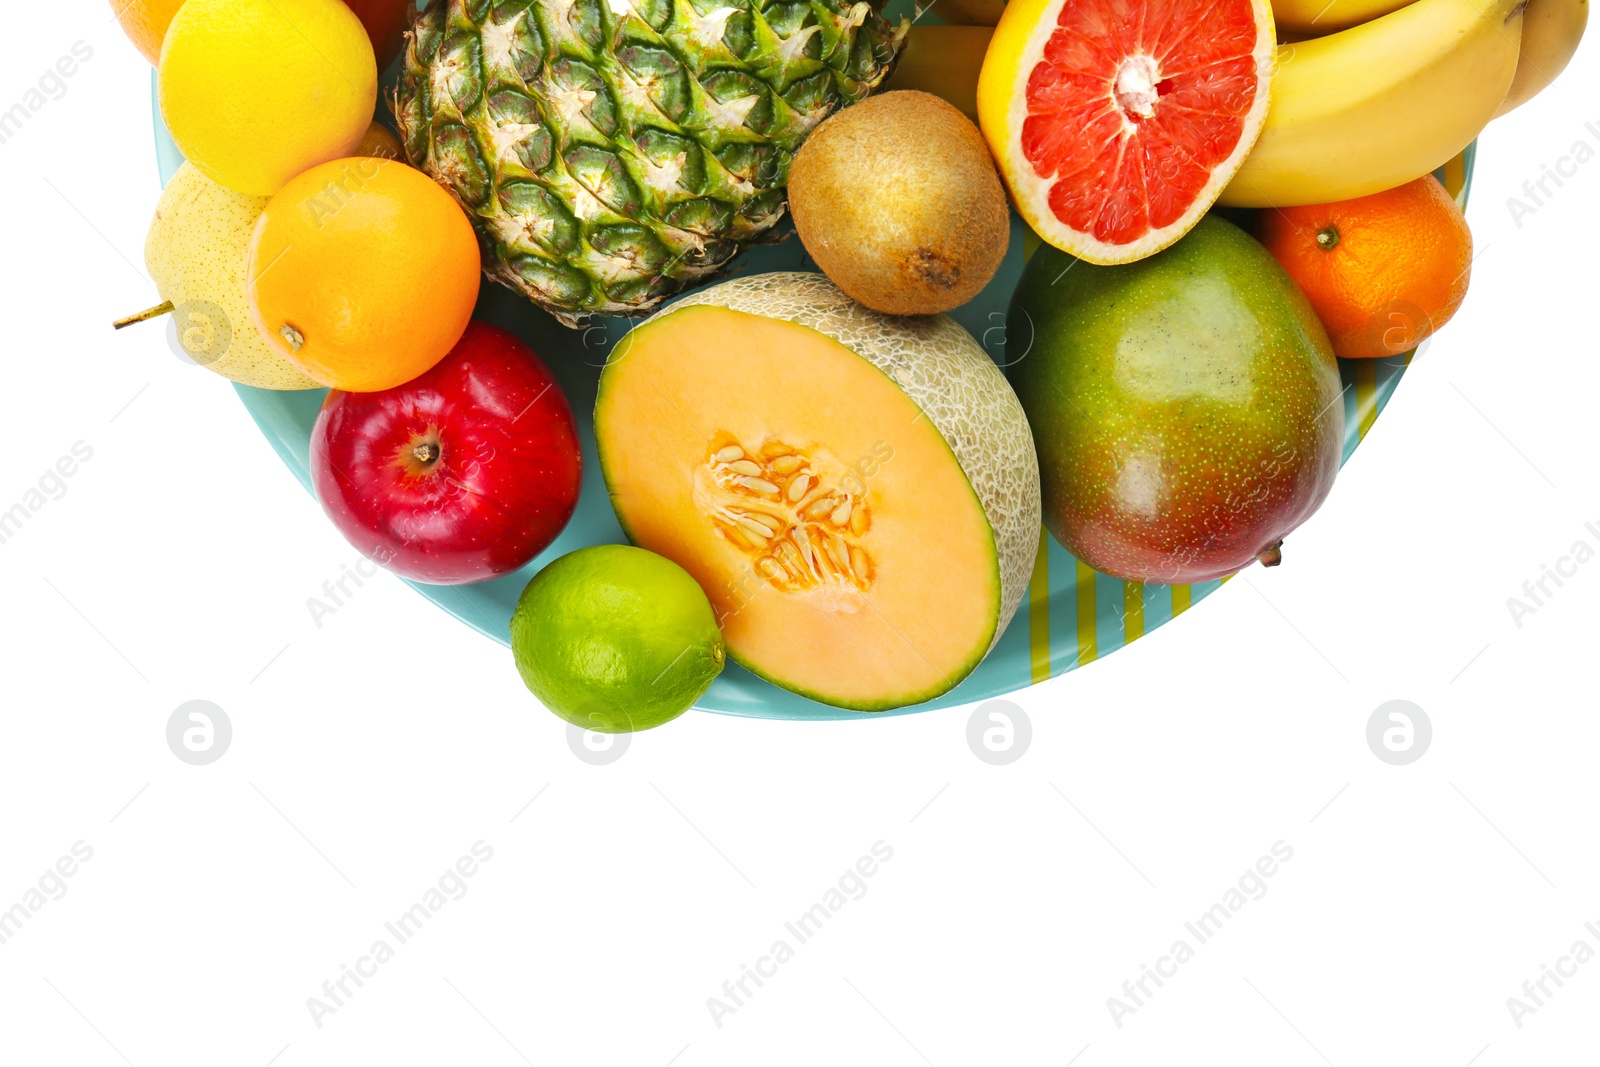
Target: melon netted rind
x=947, y=374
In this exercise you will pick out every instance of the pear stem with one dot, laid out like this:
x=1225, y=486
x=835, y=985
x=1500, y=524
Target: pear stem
x=163, y=308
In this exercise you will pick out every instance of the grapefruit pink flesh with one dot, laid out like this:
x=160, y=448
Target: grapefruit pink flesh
x=1118, y=123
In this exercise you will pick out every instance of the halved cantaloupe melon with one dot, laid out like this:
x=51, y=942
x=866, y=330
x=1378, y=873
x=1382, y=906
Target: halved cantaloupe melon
x=857, y=493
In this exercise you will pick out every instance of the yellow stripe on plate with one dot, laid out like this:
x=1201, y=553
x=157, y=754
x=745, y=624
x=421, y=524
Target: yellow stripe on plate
x=1088, y=645
x=1039, y=612
x=1180, y=600
x=1132, y=611
x=1366, y=375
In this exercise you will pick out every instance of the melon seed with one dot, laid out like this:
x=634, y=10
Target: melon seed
x=826, y=568
x=755, y=527
x=760, y=485
x=803, y=542
x=791, y=559
x=820, y=506
x=839, y=552
x=860, y=565
x=793, y=550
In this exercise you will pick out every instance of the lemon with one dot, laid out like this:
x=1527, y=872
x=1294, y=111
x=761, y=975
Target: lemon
x=256, y=91
x=614, y=639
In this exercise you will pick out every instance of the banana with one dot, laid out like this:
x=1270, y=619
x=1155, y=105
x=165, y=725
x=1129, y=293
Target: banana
x=944, y=61
x=1551, y=30
x=1317, y=17
x=1381, y=104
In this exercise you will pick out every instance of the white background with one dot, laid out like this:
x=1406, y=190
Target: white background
x=370, y=754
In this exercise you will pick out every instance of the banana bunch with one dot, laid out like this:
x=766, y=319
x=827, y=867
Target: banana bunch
x=1314, y=18
x=1551, y=30
x=1390, y=92
x=1380, y=104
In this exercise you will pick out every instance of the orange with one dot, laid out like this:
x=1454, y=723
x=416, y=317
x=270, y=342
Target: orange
x=145, y=22
x=363, y=272
x=1383, y=271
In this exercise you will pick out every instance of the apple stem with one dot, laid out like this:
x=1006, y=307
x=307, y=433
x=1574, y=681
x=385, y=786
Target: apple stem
x=426, y=453
x=1272, y=555
x=163, y=308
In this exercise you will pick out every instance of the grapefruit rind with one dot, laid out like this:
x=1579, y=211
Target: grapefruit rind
x=1016, y=49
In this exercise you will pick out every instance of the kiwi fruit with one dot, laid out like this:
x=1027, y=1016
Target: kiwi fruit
x=898, y=201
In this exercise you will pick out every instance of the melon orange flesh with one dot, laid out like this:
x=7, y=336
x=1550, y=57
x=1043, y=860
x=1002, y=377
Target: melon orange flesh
x=917, y=602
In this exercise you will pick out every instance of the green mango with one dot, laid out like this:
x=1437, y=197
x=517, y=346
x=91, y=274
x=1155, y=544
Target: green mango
x=1186, y=407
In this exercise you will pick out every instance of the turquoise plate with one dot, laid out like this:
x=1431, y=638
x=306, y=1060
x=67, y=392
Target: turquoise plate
x=1071, y=615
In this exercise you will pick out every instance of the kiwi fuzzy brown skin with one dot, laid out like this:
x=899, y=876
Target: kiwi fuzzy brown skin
x=898, y=201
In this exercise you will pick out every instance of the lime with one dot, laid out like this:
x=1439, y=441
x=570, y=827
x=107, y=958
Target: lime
x=613, y=638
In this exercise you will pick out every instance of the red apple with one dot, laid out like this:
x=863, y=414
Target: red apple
x=460, y=475
x=385, y=21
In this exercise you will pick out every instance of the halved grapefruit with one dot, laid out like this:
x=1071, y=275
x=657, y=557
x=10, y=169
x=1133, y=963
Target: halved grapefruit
x=1117, y=123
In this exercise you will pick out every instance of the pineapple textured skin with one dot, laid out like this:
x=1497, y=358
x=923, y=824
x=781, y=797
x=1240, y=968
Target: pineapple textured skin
x=611, y=153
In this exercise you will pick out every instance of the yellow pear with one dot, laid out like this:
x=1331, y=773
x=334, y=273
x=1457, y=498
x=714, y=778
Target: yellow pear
x=196, y=252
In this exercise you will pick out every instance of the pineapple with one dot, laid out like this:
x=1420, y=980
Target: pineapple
x=612, y=152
